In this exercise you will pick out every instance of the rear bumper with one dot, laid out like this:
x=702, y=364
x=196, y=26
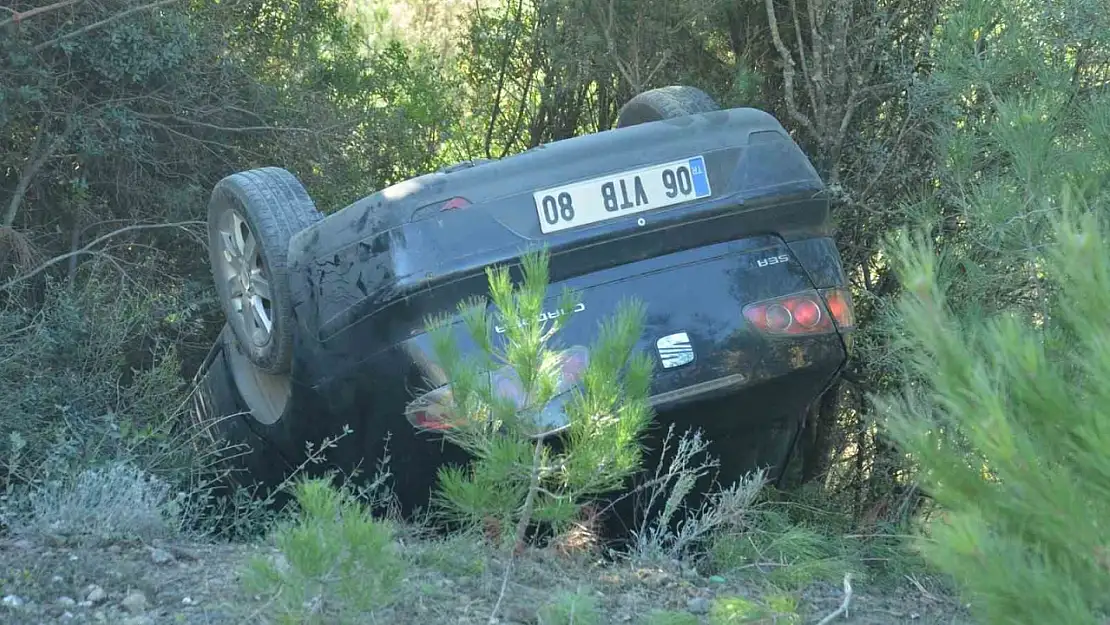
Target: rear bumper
x=744, y=387
x=750, y=419
x=750, y=415
x=749, y=427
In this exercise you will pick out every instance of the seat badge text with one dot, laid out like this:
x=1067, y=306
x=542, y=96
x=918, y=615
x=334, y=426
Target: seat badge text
x=773, y=260
x=547, y=316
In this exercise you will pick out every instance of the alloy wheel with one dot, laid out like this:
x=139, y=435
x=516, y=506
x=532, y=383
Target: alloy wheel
x=247, y=278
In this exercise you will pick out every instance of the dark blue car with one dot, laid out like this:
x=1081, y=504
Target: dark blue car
x=714, y=219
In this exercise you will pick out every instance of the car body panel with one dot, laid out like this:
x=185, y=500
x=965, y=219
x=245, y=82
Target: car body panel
x=747, y=391
x=391, y=258
x=365, y=279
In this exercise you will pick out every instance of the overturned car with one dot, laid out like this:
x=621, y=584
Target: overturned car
x=714, y=219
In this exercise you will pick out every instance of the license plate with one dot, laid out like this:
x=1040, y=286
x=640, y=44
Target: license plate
x=619, y=195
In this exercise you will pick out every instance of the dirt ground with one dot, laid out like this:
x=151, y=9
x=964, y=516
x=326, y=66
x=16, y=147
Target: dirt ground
x=196, y=583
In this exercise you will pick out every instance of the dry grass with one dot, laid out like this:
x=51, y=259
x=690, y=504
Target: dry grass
x=17, y=251
x=100, y=505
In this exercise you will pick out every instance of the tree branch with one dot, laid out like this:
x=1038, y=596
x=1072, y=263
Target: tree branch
x=606, y=21
x=788, y=72
x=195, y=122
x=807, y=76
x=89, y=249
x=529, y=78
x=104, y=22
x=18, y=17
x=45, y=149
x=521, y=525
x=501, y=75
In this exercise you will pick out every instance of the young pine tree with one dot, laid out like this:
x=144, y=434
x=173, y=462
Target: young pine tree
x=1003, y=331
x=1010, y=427
x=542, y=444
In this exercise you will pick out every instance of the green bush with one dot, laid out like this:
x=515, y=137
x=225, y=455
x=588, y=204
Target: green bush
x=88, y=386
x=337, y=564
x=570, y=609
x=772, y=610
x=517, y=476
x=1002, y=332
x=1011, y=435
x=789, y=555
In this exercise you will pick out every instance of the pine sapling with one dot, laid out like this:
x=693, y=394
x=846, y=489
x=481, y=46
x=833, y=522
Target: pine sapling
x=548, y=426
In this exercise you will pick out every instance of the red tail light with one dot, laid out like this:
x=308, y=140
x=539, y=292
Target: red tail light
x=432, y=411
x=806, y=313
x=454, y=203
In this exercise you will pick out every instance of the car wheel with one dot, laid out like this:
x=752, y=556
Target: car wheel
x=228, y=391
x=665, y=103
x=251, y=217
x=266, y=395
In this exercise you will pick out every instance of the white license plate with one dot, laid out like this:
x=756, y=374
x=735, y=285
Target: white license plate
x=618, y=195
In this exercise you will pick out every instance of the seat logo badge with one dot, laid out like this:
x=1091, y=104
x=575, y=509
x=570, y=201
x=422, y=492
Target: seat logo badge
x=675, y=350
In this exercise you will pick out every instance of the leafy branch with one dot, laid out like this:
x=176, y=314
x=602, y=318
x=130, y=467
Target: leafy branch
x=100, y=24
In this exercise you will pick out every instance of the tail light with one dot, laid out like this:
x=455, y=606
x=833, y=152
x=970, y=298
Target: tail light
x=434, y=410
x=454, y=203
x=812, y=312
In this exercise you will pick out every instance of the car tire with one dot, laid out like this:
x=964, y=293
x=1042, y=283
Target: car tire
x=665, y=103
x=252, y=215
x=222, y=407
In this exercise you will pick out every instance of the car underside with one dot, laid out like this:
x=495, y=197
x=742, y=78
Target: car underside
x=714, y=219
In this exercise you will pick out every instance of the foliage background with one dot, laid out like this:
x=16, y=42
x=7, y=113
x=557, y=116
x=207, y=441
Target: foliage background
x=961, y=119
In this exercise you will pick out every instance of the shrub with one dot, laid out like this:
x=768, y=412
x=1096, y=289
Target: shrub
x=736, y=610
x=1010, y=433
x=671, y=529
x=570, y=609
x=789, y=555
x=114, y=502
x=336, y=562
x=92, y=407
x=498, y=399
x=1002, y=333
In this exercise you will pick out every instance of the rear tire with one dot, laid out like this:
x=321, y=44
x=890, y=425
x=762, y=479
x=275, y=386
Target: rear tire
x=665, y=103
x=252, y=215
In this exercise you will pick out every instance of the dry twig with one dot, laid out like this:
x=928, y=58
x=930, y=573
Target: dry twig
x=18, y=16
x=843, y=609
x=88, y=249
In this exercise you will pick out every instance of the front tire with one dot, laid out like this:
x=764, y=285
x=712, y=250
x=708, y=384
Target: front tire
x=665, y=103
x=252, y=215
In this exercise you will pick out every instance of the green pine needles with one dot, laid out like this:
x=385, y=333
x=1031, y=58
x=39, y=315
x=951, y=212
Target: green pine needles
x=548, y=425
x=1002, y=332
x=1012, y=435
